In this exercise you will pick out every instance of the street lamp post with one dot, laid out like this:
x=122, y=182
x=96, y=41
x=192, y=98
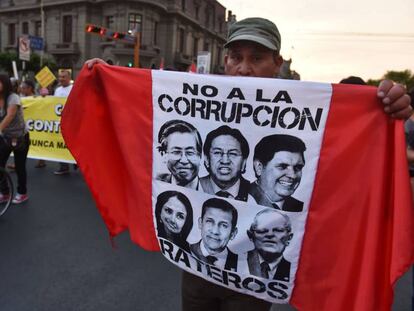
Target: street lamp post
x=42, y=31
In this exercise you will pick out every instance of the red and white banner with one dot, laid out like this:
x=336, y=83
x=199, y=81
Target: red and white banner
x=288, y=191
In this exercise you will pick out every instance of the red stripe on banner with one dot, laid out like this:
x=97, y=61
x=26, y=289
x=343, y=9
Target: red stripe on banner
x=103, y=132
x=359, y=231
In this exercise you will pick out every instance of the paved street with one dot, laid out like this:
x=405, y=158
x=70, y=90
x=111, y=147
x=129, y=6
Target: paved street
x=55, y=254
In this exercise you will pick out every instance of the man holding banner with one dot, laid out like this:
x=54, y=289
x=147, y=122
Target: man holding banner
x=63, y=91
x=253, y=50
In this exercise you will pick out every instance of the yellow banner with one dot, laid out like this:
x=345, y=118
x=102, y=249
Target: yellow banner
x=42, y=116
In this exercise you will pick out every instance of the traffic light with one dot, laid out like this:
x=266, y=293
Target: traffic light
x=95, y=29
x=118, y=35
x=130, y=64
x=102, y=31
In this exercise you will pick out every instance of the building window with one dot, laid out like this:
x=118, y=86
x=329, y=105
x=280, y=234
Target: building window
x=25, y=28
x=12, y=34
x=67, y=28
x=207, y=18
x=195, y=47
x=38, y=29
x=135, y=22
x=206, y=46
x=155, y=38
x=219, y=50
x=197, y=12
x=183, y=5
x=181, y=40
x=109, y=21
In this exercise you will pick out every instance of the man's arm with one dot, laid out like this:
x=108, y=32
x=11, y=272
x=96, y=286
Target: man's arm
x=395, y=99
x=410, y=155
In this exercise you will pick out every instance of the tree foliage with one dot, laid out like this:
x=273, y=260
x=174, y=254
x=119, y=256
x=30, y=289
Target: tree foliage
x=33, y=65
x=405, y=77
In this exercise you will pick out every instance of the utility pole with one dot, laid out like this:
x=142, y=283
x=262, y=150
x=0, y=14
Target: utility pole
x=42, y=31
x=136, y=48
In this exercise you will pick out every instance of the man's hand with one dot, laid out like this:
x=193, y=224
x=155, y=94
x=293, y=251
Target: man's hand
x=91, y=62
x=395, y=99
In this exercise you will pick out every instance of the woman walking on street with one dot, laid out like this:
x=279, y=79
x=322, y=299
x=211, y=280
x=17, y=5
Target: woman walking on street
x=13, y=137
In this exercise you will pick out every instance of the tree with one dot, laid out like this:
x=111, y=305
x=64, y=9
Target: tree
x=405, y=77
x=33, y=65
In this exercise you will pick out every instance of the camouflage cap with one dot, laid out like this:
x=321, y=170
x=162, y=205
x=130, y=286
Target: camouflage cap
x=256, y=29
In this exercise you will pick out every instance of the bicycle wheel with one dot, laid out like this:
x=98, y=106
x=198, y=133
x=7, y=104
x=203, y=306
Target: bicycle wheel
x=6, y=191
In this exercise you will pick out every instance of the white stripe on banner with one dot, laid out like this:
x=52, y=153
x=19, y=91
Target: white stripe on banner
x=267, y=184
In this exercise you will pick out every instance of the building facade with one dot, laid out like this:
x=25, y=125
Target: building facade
x=171, y=30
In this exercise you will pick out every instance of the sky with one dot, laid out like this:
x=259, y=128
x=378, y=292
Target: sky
x=330, y=39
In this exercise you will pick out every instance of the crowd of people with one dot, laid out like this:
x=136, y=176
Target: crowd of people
x=14, y=135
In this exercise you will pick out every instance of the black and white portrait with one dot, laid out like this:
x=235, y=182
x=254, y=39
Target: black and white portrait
x=181, y=146
x=174, y=216
x=278, y=162
x=225, y=154
x=217, y=225
x=270, y=233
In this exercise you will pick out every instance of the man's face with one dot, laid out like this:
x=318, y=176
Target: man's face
x=183, y=160
x=281, y=175
x=173, y=215
x=64, y=78
x=225, y=161
x=216, y=229
x=271, y=235
x=246, y=58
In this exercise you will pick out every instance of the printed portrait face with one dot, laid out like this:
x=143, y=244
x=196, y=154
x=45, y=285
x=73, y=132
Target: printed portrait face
x=225, y=160
x=271, y=234
x=183, y=160
x=281, y=176
x=216, y=229
x=173, y=216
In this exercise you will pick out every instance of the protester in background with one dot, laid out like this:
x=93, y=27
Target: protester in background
x=15, y=85
x=13, y=137
x=63, y=91
x=43, y=91
x=15, y=89
x=353, y=80
x=27, y=88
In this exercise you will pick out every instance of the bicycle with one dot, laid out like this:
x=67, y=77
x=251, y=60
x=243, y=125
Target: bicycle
x=6, y=190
